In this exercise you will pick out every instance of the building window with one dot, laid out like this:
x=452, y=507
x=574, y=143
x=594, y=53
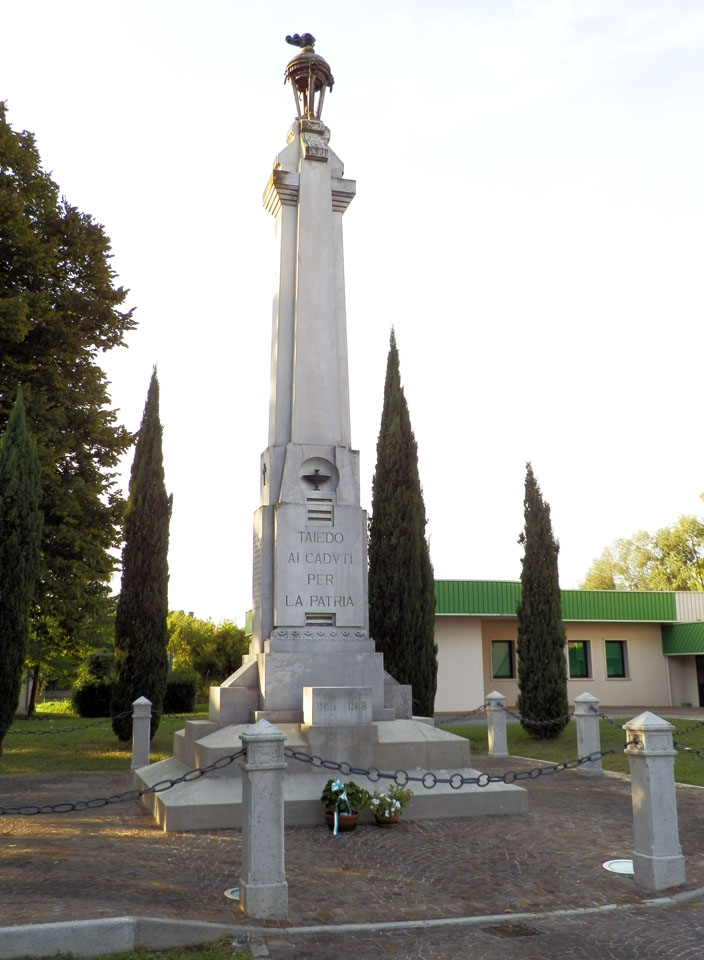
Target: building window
x=580, y=659
x=616, y=659
x=502, y=660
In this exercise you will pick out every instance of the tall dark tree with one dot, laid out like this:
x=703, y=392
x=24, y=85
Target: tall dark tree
x=542, y=668
x=59, y=309
x=401, y=581
x=141, y=633
x=20, y=538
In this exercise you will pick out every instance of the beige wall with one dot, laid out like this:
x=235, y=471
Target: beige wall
x=464, y=664
x=460, y=678
x=647, y=680
x=683, y=681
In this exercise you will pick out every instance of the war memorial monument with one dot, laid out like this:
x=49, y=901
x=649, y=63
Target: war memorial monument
x=312, y=668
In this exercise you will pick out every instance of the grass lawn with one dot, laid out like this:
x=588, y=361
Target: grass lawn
x=215, y=951
x=59, y=742
x=689, y=768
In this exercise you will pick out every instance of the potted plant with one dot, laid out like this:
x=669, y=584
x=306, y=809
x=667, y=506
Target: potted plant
x=343, y=803
x=387, y=807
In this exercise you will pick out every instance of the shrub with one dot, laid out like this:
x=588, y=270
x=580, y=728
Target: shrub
x=91, y=691
x=91, y=697
x=181, y=690
x=98, y=665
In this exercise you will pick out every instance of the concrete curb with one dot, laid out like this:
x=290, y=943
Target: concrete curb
x=92, y=938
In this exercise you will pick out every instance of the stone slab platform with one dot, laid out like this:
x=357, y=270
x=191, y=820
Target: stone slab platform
x=387, y=745
x=215, y=803
x=416, y=746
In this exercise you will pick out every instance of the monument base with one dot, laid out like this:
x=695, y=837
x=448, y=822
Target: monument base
x=416, y=746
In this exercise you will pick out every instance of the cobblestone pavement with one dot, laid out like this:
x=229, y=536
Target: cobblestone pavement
x=676, y=933
x=114, y=861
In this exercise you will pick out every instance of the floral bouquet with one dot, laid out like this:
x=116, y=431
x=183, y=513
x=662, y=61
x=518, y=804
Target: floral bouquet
x=344, y=799
x=387, y=807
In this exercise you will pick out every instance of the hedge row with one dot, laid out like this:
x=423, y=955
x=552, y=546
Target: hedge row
x=91, y=694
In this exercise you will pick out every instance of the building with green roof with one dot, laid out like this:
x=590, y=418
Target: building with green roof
x=627, y=648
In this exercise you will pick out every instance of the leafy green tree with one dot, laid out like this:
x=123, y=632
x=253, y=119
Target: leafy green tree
x=59, y=310
x=213, y=650
x=401, y=582
x=141, y=634
x=542, y=667
x=60, y=663
x=670, y=559
x=20, y=538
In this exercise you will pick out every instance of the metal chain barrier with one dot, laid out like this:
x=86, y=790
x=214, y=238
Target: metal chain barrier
x=694, y=726
x=31, y=810
x=456, y=781
x=683, y=746
x=602, y=716
x=450, y=721
x=676, y=743
x=401, y=777
x=538, y=723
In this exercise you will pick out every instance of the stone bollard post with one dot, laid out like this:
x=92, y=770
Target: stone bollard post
x=263, y=887
x=586, y=715
x=496, y=724
x=141, y=732
x=657, y=858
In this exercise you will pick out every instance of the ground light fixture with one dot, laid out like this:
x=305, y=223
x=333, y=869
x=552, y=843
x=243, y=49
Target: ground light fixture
x=624, y=867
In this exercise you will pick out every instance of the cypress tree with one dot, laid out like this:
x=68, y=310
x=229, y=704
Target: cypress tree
x=141, y=634
x=401, y=581
x=20, y=541
x=542, y=669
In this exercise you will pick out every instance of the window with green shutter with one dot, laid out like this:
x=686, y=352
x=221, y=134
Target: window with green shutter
x=579, y=659
x=616, y=663
x=502, y=659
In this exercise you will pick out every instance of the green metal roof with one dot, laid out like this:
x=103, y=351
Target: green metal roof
x=500, y=597
x=490, y=597
x=652, y=607
x=683, y=639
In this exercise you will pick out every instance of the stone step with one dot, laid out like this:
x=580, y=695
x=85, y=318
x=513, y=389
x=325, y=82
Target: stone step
x=278, y=716
x=185, y=740
x=216, y=803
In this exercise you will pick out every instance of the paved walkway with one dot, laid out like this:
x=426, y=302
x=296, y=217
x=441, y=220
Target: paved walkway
x=114, y=862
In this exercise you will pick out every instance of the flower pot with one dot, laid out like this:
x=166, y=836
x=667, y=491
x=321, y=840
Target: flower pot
x=387, y=821
x=345, y=821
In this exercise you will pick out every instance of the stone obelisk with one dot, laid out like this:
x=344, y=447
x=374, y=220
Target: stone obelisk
x=311, y=668
x=310, y=612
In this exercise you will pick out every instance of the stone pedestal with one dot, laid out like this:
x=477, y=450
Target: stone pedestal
x=657, y=858
x=586, y=715
x=263, y=887
x=141, y=732
x=496, y=724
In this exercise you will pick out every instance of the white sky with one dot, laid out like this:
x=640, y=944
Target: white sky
x=529, y=213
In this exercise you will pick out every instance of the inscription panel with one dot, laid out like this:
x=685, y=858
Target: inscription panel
x=319, y=571
x=337, y=706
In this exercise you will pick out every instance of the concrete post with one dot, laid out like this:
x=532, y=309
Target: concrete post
x=586, y=716
x=496, y=724
x=263, y=887
x=657, y=858
x=141, y=732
